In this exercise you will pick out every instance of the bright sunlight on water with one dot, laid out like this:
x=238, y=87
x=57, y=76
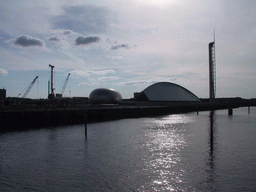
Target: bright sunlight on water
x=209, y=151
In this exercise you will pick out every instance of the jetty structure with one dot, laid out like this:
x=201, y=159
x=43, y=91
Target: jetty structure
x=104, y=104
x=42, y=116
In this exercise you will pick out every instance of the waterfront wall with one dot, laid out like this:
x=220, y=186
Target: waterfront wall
x=27, y=119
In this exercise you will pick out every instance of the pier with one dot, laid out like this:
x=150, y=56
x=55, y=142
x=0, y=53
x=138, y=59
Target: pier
x=12, y=120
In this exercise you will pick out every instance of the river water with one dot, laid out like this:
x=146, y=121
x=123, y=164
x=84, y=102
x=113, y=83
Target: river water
x=209, y=151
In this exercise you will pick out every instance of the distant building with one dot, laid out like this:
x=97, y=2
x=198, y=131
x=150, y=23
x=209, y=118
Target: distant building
x=105, y=96
x=2, y=94
x=58, y=96
x=165, y=91
x=135, y=94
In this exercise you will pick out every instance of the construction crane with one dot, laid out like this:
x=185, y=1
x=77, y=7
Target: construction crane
x=51, y=94
x=63, y=87
x=65, y=84
x=29, y=88
x=52, y=89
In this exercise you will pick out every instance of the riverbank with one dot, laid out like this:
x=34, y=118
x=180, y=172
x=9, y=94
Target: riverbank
x=12, y=120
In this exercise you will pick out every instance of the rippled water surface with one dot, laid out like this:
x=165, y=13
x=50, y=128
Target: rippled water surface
x=184, y=152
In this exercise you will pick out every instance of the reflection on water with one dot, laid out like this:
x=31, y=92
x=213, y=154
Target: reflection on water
x=212, y=143
x=210, y=151
x=171, y=120
x=211, y=133
x=165, y=140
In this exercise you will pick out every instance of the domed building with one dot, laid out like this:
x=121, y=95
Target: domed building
x=105, y=96
x=165, y=91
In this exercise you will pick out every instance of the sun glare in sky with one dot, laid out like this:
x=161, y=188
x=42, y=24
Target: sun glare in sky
x=127, y=45
x=160, y=3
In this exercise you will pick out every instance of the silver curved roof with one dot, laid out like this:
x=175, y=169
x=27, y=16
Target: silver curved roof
x=165, y=91
x=103, y=95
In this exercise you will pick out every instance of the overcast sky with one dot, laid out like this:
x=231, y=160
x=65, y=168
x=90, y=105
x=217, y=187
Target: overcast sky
x=127, y=45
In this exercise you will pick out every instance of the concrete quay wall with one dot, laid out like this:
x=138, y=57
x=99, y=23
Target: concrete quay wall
x=28, y=119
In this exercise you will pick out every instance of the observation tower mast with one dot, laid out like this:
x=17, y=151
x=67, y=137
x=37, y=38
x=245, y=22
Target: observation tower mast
x=212, y=70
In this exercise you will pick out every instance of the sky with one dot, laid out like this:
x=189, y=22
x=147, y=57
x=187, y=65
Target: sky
x=127, y=45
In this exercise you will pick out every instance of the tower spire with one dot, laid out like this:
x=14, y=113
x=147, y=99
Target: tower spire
x=212, y=69
x=214, y=34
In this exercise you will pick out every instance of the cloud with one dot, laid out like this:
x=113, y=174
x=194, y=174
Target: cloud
x=120, y=46
x=86, y=40
x=3, y=72
x=107, y=78
x=60, y=34
x=64, y=32
x=82, y=19
x=27, y=41
x=83, y=84
x=134, y=83
x=67, y=32
x=54, y=38
x=148, y=82
x=117, y=57
x=88, y=73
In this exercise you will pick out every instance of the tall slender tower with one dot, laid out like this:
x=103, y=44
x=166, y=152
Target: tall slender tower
x=212, y=70
x=51, y=95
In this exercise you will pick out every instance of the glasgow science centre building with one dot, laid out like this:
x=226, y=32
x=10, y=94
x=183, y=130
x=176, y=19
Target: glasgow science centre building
x=165, y=91
x=107, y=104
x=162, y=91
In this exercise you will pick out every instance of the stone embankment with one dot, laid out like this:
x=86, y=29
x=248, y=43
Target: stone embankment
x=35, y=118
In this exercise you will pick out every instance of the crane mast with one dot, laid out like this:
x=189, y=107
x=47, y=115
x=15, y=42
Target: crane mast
x=52, y=89
x=65, y=84
x=29, y=87
x=63, y=87
x=51, y=95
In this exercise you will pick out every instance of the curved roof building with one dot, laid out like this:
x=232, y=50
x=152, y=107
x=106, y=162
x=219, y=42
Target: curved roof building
x=165, y=91
x=105, y=96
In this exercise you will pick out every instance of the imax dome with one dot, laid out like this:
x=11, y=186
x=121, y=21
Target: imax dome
x=105, y=96
x=166, y=92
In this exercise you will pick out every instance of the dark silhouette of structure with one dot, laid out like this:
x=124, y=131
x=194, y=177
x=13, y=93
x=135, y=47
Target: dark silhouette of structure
x=2, y=94
x=105, y=96
x=51, y=95
x=212, y=71
x=59, y=95
x=27, y=90
x=165, y=91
